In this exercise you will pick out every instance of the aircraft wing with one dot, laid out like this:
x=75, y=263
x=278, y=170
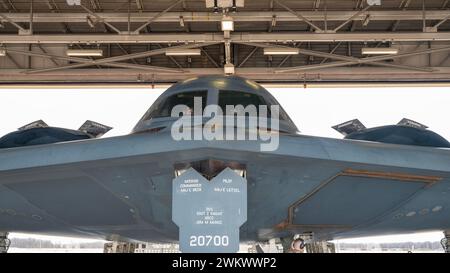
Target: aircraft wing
x=122, y=187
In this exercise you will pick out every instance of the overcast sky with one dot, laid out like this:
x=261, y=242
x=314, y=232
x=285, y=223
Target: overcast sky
x=314, y=110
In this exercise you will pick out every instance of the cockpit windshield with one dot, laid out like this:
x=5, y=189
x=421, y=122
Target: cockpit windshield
x=164, y=108
x=245, y=99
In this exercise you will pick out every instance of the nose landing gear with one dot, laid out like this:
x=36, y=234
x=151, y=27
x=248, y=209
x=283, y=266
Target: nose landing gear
x=302, y=243
x=320, y=247
x=298, y=245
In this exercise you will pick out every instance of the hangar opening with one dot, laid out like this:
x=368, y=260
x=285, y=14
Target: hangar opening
x=354, y=63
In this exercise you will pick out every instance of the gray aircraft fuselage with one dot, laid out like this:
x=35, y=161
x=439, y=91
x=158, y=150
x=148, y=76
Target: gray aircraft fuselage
x=121, y=187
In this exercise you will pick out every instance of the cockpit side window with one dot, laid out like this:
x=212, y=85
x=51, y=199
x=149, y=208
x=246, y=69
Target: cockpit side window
x=244, y=98
x=164, y=108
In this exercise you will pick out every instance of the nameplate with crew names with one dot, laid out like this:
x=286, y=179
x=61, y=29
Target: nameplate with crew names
x=209, y=213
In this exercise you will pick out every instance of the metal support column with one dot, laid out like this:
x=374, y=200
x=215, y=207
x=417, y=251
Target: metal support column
x=119, y=247
x=4, y=242
x=320, y=247
x=445, y=242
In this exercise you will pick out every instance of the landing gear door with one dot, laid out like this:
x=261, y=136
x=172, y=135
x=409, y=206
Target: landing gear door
x=209, y=213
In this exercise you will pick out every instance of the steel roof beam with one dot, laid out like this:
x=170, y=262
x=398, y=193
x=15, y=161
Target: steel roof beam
x=343, y=74
x=111, y=38
x=338, y=37
x=156, y=16
x=285, y=59
x=346, y=60
x=209, y=57
x=139, y=5
x=371, y=60
x=242, y=16
x=285, y=37
x=403, y=5
x=172, y=59
x=5, y=6
x=9, y=20
x=250, y=54
x=12, y=60
x=125, y=52
x=442, y=21
x=307, y=52
x=87, y=62
x=95, y=5
x=45, y=52
x=10, y=5
x=81, y=62
x=298, y=15
x=352, y=18
x=100, y=18
x=332, y=51
x=143, y=67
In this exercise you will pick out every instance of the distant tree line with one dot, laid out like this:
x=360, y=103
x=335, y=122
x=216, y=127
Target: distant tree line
x=37, y=243
x=405, y=246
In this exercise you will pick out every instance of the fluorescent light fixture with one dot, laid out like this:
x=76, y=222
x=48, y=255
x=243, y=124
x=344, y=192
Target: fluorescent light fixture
x=379, y=51
x=73, y=2
x=2, y=52
x=374, y=2
x=84, y=52
x=183, y=52
x=228, y=68
x=224, y=3
x=227, y=23
x=281, y=51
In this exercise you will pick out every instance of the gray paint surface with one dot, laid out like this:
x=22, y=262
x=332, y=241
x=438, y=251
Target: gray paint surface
x=209, y=213
x=138, y=170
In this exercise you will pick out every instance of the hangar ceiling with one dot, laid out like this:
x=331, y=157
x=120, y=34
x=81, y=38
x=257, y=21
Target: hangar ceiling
x=134, y=36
